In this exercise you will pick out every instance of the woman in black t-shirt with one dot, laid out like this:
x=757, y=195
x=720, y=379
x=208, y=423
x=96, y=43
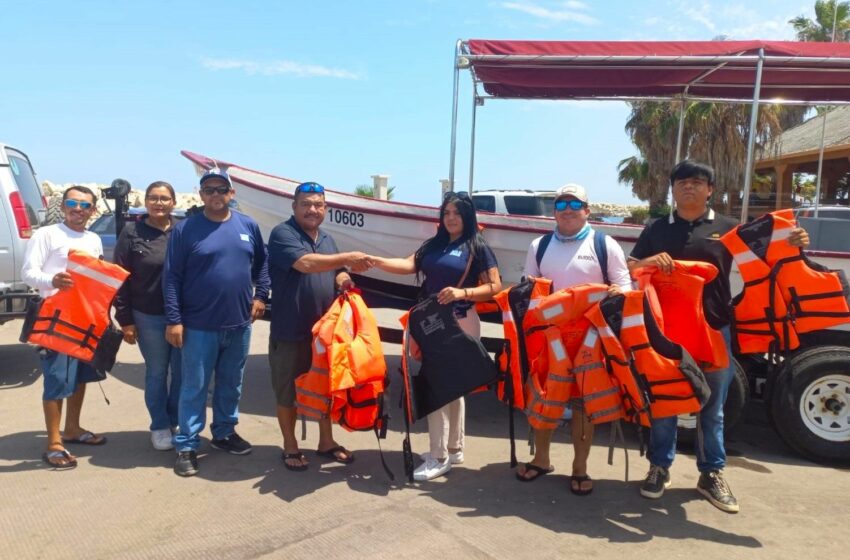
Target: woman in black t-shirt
x=440, y=263
x=139, y=308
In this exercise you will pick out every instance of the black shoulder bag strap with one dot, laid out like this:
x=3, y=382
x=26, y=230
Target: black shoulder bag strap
x=541, y=248
x=601, y=248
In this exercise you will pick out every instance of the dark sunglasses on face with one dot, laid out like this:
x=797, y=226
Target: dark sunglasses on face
x=310, y=188
x=77, y=204
x=223, y=189
x=561, y=205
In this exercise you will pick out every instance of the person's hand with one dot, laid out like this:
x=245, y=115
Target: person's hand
x=346, y=284
x=413, y=349
x=63, y=281
x=358, y=261
x=799, y=238
x=663, y=261
x=449, y=295
x=130, y=333
x=174, y=335
x=614, y=290
x=257, y=310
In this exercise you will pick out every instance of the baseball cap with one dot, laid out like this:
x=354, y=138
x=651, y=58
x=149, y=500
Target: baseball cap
x=216, y=172
x=573, y=190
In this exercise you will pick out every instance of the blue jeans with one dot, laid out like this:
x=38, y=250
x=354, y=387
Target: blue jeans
x=711, y=452
x=160, y=397
x=223, y=352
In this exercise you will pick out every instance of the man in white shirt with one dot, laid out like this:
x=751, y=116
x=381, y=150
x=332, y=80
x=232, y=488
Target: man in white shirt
x=569, y=259
x=44, y=269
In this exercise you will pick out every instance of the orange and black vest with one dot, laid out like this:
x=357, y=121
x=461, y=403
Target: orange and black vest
x=75, y=321
x=554, y=332
x=514, y=304
x=347, y=376
x=785, y=294
x=656, y=376
x=600, y=394
x=678, y=297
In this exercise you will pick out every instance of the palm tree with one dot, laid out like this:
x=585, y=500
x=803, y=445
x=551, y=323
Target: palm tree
x=821, y=28
x=366, y=190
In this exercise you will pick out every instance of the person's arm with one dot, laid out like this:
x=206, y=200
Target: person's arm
x=259, y=275
x=643, y=254
x=397, y=265
x=123, y=298
x=286, y=251
x=34, y=258
x=315, y=262
x=618, y=270
x=172, y=282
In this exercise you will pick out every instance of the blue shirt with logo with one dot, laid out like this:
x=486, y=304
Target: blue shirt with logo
x=445, y=268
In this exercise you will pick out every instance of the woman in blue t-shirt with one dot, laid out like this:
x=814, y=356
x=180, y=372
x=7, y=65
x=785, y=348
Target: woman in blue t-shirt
x=440, y=264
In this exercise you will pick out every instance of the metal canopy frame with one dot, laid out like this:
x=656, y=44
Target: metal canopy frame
x=463, y=60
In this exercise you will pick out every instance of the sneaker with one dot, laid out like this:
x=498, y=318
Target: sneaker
x=233, y=444
x=431, y=469
x=713, y=486
x=187, y=463
x=161, y=439
x=454, y=458
x=657, y=479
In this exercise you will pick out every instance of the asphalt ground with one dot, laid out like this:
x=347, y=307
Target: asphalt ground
x=124, y=501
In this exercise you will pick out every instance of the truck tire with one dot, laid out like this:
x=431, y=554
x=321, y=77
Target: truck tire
x=733, y=408
x=810, y=405
x=54, y=211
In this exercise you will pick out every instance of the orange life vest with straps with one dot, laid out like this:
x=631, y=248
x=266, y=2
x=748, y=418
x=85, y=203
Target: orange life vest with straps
x=679, y=298
x=554, y=331
x=600, y=395
x=657, y=377
x=514, y=304
x=347, y=376
x=785, y=294
x=73, y=321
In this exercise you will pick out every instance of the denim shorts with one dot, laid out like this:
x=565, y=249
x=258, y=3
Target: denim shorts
x=62, y=374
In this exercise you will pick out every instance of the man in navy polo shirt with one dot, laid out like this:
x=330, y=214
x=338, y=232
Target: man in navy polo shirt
x=216, y=283
x=306, y=270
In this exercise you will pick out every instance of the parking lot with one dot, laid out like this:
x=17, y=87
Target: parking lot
x=124, y=501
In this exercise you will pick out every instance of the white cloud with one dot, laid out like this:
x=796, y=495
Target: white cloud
x=698, y=14
x=277, y=67
x=571, y=11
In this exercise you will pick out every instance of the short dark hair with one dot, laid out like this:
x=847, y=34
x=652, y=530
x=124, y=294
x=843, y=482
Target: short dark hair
x=691, y=169
x=82, y=189
x=163, y=184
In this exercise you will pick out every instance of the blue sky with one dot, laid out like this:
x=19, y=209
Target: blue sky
x=327, y=91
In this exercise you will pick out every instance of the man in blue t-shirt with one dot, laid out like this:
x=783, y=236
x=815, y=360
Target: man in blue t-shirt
x=215, y=284
x=306, y=271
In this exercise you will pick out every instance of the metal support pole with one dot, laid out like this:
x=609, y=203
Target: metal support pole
x=823, y=126
x=472, y=142
x=454, y=117
x=680, y=135
x=751, y=143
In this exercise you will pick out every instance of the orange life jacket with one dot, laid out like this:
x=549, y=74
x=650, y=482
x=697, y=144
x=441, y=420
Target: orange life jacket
x=559, y=316
x=600, y=395
x=73, y=321
x=514, y=303
x=657, y=377
x=347, y=376
x=785, y=294
x=679, y=297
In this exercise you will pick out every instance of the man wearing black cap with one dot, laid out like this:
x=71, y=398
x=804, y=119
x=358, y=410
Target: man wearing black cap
x=215, y=284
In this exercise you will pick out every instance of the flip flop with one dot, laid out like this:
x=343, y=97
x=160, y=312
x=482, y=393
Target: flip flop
x=334, y=454
x=539, y=471
x=293, y=456
x=50, y=457
x=578, y=479
x=86, y=438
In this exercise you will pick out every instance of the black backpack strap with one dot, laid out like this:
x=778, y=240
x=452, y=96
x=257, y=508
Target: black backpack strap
x=541, y=248
x=601, y=248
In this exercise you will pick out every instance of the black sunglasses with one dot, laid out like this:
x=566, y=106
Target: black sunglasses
x=310, y=188
x=222, y=189
x=457, y=194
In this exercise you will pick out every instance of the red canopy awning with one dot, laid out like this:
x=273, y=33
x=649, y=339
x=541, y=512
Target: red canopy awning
x=794, y=71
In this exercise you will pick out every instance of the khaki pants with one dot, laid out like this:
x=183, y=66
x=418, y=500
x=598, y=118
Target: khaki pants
x=445, y=426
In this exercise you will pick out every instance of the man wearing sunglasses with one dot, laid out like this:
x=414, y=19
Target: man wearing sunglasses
x=571, y=255
x=44, y=268
x=307, y=270
x=215, y=284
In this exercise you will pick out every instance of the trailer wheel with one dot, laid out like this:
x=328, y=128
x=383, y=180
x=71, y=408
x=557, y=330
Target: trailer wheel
x=733, y=408
x=811, y=403
x=54, y=211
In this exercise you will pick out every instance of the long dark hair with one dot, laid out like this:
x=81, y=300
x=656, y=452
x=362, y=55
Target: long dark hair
x=471, y=236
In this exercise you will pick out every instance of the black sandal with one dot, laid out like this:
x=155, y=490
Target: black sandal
x=292, y=457
x=334, y=454
x=538, y=472
x=578, y=479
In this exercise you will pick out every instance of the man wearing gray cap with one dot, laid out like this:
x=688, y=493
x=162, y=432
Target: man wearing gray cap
x=216, y=283
x=573, y=254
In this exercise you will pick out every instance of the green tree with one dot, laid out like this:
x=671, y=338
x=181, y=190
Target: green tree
x=820, y=29
x=367, y=191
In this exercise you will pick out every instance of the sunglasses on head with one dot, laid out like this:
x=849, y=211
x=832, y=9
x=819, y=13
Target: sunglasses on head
x=573, y=204
x=77, y=204
x=457, y=194
x=222, y=189
x=310, y=188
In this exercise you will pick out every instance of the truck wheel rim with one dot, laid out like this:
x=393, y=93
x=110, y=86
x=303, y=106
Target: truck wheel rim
x=825, y=408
